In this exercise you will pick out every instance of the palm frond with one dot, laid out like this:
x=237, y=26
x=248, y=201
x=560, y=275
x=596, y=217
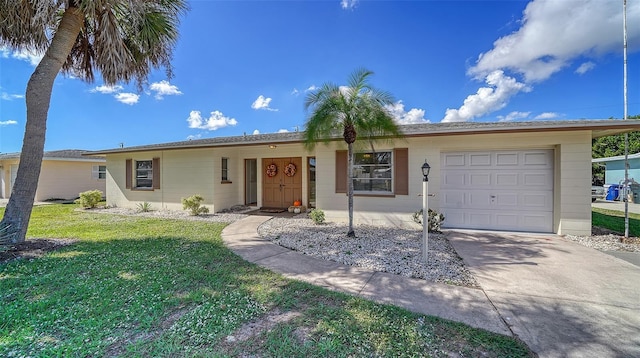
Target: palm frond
x=6, y=235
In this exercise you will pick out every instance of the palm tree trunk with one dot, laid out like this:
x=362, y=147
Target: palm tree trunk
x=38, y=96
x=350, y=233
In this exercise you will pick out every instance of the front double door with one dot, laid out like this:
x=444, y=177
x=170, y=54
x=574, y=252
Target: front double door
x=284, y=186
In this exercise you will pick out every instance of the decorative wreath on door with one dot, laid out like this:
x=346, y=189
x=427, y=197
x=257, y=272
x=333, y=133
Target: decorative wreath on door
x=290, y=170
x=272, y=170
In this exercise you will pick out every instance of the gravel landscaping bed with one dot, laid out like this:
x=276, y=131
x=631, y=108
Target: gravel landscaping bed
x=606, y=240
x=383, y=249
x=228, y=217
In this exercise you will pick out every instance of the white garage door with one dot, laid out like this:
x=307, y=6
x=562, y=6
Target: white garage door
x=498, y=190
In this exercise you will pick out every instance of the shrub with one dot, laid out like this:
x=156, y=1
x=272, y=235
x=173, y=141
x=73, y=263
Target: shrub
x=317, y=216
x=194, y=205
x=144, y=207
x=435, y=220
x=89, y=199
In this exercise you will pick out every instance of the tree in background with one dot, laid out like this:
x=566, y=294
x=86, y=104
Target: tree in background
x=354, y=109
x=611, y=146
x=122, y=39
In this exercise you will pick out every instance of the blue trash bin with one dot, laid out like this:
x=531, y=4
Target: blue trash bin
x=613, y=191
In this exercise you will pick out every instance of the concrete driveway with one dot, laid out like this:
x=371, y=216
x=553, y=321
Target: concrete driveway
x=561, y=298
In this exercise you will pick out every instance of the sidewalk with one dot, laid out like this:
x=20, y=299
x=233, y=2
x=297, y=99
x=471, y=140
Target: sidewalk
x=461, y=304
x=616, y=205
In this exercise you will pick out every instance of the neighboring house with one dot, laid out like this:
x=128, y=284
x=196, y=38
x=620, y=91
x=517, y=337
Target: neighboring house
x=614, y=168
x=64, y=174
x=524, y=176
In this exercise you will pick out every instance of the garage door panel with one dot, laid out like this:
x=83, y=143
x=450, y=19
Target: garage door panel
x=502, y=190
x=503, y=200
x=507, y=179
x=536, y=200
x=478, y=199
x=507, y=159
x=453, y=179
x=453, y=199
x=537, y=179
x=537, y=159
x=453, y=160
x=480, y=180
x=480, y=159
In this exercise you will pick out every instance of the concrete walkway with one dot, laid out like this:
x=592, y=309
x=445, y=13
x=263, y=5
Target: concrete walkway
x=467, y=305
x=562, y=299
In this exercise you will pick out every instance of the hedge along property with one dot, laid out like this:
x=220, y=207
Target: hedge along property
x=522, y=176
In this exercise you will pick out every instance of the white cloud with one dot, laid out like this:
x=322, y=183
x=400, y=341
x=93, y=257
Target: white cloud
x=194, y=137
x=578, y=28
x=283, y=131
x=348, y=4
x=547, y=115
x=262, y=103
x=7, y=123
x=164, y=88
x=487, y=99
x=104, y=89
x=23, y=55
x=311, y=88
x=414, y=115
x=10, y=97
x=585, y=67
x=514, y=116
x=255, y=131
x=295, y=92
x=215, y=121
x=127, y=98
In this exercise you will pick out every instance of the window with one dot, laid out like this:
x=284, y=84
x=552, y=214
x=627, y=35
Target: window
x=144, y=174
x=99, y=172
x=225, y=169
x=375, y=177
x=373, y=172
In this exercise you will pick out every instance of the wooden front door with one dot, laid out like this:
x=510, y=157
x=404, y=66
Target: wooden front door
x=284, y=187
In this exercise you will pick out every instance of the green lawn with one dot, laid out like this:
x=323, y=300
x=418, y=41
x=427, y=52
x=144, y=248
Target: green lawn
x=614, y=220
x=150, y=287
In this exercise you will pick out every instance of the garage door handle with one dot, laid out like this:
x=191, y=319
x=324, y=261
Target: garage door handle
x=492, y=196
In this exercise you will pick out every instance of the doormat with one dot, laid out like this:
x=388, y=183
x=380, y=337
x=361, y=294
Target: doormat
x=273, y=211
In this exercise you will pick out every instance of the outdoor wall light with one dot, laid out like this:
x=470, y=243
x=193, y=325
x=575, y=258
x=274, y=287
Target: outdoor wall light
x=426, y=168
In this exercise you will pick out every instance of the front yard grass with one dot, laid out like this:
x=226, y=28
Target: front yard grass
x=614, y=220
x=151, y=287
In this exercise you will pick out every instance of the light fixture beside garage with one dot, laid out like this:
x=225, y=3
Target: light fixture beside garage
x=426, y=168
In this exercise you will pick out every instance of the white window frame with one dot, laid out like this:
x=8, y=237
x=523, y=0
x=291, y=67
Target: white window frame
x=224, y=170
x=99, y=172
x=390, y=180
x=138, y=174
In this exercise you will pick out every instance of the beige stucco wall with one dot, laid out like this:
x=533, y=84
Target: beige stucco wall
x=59, y=179
x=572, y=177
x=197, y=171
x=186, y=172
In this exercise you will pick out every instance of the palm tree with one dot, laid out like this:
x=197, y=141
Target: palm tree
x=357, y=108
x=122, y=39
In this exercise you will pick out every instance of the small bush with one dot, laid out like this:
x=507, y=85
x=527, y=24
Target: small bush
x=89, y=199
x=317, y=216
x=143, y=207
x=435, y=220
x=194, y=205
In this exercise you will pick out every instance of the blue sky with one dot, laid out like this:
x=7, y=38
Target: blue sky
x=245, y=67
